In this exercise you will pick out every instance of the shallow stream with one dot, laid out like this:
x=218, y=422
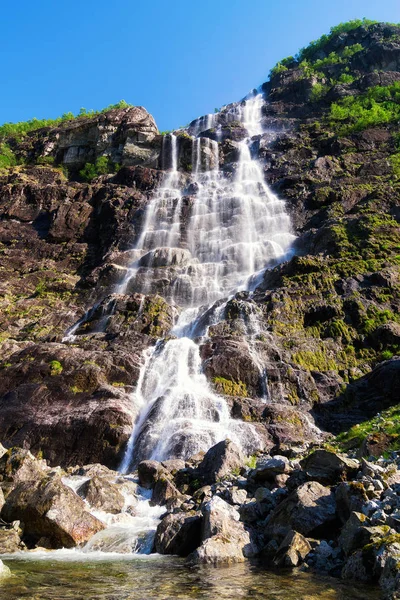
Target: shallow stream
x=160, y=578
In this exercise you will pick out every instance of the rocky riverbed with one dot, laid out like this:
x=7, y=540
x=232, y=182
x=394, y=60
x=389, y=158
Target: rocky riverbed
x=309, y=509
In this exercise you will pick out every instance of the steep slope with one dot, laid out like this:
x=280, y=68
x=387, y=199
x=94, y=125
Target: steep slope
x=315, y=323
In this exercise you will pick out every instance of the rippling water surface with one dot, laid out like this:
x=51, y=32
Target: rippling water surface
x=165, y=578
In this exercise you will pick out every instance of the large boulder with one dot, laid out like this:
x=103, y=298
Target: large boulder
x=50, y=509
x=350, y=496
x=179, y=534
x=309, y=510
x=101, y=494
x=149, y=472
x=220, y=461
x=292, y=550
x=225, y=539
x=18, y=464
x=329, y=467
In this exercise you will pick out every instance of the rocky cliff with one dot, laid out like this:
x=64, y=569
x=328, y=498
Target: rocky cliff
x=329, y=329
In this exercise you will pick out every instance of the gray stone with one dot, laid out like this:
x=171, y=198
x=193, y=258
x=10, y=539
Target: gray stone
x=220, y=461
x=292, y=550
x=310, y=510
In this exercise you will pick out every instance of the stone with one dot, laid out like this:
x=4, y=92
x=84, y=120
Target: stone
x=354, y=534
x=102, y=495
x=51, y=509
x=220, y=461
x=164, y=491
x=309, y=510
x=349, y=497
x=328, y=467
x=149, y=471
x=4, y=571
x=267, y=469
x=225, y=539
x=10, y=541
x=292, y=551
x=18, y=464
x=179, y=534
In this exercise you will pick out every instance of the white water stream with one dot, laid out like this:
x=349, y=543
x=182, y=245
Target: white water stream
x=236, y=226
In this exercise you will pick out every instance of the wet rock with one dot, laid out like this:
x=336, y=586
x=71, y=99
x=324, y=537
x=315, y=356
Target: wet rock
x=164, y=491
x=225, y=539
x=51, y=509
x=102, y=495
x=220, y=461
x=4, y=571
x=179, y=534
x=18, y=465
x=310, y=510
x=149, y=472
x=164, y=257
x=329, y=467
x=10, y=541
x=173, y=465
x=292, y=550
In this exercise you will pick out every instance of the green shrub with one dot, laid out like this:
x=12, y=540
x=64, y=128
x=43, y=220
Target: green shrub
x=7, y=157
x=56, y=367
x=319, y=44
x=102, y=166
x=378, y=106
x=319, y=90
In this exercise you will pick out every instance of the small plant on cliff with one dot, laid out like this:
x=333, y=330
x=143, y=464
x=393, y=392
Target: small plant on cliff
x=102, y=166
x=7, y=157
x=56, y=367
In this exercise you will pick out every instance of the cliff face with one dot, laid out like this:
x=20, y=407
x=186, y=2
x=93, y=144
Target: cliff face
x=327, y=317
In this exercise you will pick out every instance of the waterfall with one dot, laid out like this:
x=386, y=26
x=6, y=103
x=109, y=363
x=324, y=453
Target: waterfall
x=235, y=228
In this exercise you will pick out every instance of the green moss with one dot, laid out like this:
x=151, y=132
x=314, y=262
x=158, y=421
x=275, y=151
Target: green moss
x=314, y=361
x=229, y=387
x=56, y=367
x=386, y=422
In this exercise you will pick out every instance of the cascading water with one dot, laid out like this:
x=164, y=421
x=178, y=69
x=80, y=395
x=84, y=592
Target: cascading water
x=236, y=227
x=195, y=255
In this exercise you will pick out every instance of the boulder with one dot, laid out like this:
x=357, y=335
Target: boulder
x=179, y=534
x=4, y=571
x=354, y=533
x=163, y=491
x=18, y=464
x=149, y=471
x=225, y=539
x=329, y=467
x=292, y=550
x=220, y=461
x=102, y=495
x=350, y=497
x=51, y=509
x=310, y=510
x=267, y=469
x=10, y=541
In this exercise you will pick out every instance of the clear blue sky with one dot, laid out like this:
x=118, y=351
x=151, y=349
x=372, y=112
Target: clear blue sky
x=177, y=58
